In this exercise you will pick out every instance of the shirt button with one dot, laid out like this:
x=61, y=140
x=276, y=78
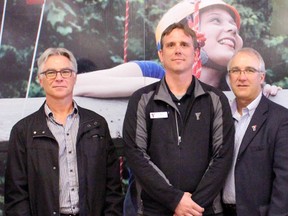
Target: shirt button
x=54, y=168
x=70, y=152
x=71, y=170
x=54, y=213
x=67, y=134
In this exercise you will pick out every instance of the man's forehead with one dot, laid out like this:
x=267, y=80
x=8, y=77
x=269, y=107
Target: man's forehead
x=244, y=59
x=57, y=58
x=57, y=61
x=175, y=38
x=178, y=41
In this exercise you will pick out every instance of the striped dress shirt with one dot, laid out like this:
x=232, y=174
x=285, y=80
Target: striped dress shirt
x=66, y=137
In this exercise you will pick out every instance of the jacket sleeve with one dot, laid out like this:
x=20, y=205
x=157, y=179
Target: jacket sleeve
x=150, y=177
x=222, y=153
x=114, y=197
x=279, y=199
x=16, y=183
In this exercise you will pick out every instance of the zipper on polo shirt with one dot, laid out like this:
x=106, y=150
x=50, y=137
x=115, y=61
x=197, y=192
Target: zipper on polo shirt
x=177, y=128
x=179, y=140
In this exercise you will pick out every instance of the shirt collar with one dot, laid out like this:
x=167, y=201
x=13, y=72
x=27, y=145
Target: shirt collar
x=250, y=109
x=189, y=91
x=49, y=113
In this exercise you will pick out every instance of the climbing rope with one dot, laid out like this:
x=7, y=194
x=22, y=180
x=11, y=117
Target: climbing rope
x=126, y=30
x=197, y=66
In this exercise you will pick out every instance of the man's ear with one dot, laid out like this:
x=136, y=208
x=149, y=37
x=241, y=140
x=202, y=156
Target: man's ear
x=39, y=80
x=160, y=53
x=75, y=78
x=262, y=77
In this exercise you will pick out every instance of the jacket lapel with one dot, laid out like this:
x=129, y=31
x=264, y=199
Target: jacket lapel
x=258, y=119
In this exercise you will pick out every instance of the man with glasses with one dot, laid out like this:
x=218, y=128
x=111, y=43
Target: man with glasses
x=257, y=182
x=61, y=159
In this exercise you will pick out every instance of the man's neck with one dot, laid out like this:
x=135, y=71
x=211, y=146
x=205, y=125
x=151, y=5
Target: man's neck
x=178, y=83
x=241, y=104
x=245, y=102
x=60, y=108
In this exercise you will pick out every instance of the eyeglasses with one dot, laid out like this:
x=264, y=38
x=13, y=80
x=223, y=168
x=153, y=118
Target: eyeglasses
x=52, y=74
x=247, y=71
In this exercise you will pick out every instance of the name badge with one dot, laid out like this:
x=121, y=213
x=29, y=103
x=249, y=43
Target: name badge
x=158, y=115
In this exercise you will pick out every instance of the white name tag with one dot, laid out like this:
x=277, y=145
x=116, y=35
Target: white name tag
x=157, y=115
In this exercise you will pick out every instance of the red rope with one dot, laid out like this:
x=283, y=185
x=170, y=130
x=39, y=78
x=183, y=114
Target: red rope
x=121, y=160
x=195, y=26
x=34, y=2
x=126, y=31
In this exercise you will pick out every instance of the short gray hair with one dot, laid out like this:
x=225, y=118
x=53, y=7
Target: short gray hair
x=249, y=51
x=54, y=52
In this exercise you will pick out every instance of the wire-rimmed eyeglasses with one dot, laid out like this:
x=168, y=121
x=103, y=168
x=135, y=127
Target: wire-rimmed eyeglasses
x=247, y=71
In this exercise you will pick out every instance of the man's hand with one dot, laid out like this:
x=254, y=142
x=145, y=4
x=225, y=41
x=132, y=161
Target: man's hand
x=187, y=207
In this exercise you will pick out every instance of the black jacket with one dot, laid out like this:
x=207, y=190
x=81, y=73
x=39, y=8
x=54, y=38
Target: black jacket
x=167, y=166
x=32, y=175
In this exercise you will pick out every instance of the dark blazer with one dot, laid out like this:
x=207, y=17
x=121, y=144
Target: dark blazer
x=261, y=171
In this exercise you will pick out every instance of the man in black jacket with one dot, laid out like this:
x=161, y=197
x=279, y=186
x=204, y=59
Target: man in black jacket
x=179, y=135
x=61, y=159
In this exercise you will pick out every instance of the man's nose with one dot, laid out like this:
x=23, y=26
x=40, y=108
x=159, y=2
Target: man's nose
x=58, y=76
x=242, y=75
x=178, y=49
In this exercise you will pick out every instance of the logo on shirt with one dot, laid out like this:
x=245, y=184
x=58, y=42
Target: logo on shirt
x=254, y=127
x=198, y=115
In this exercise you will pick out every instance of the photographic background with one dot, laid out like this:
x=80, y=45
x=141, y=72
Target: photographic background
x=94, y=31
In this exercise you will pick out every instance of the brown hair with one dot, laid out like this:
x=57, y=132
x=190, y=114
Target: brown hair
x=187, y=31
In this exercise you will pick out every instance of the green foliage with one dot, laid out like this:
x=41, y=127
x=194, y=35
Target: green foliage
x=94, y=30
x=13, y=82
x=256, y=32
x=36, y=90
